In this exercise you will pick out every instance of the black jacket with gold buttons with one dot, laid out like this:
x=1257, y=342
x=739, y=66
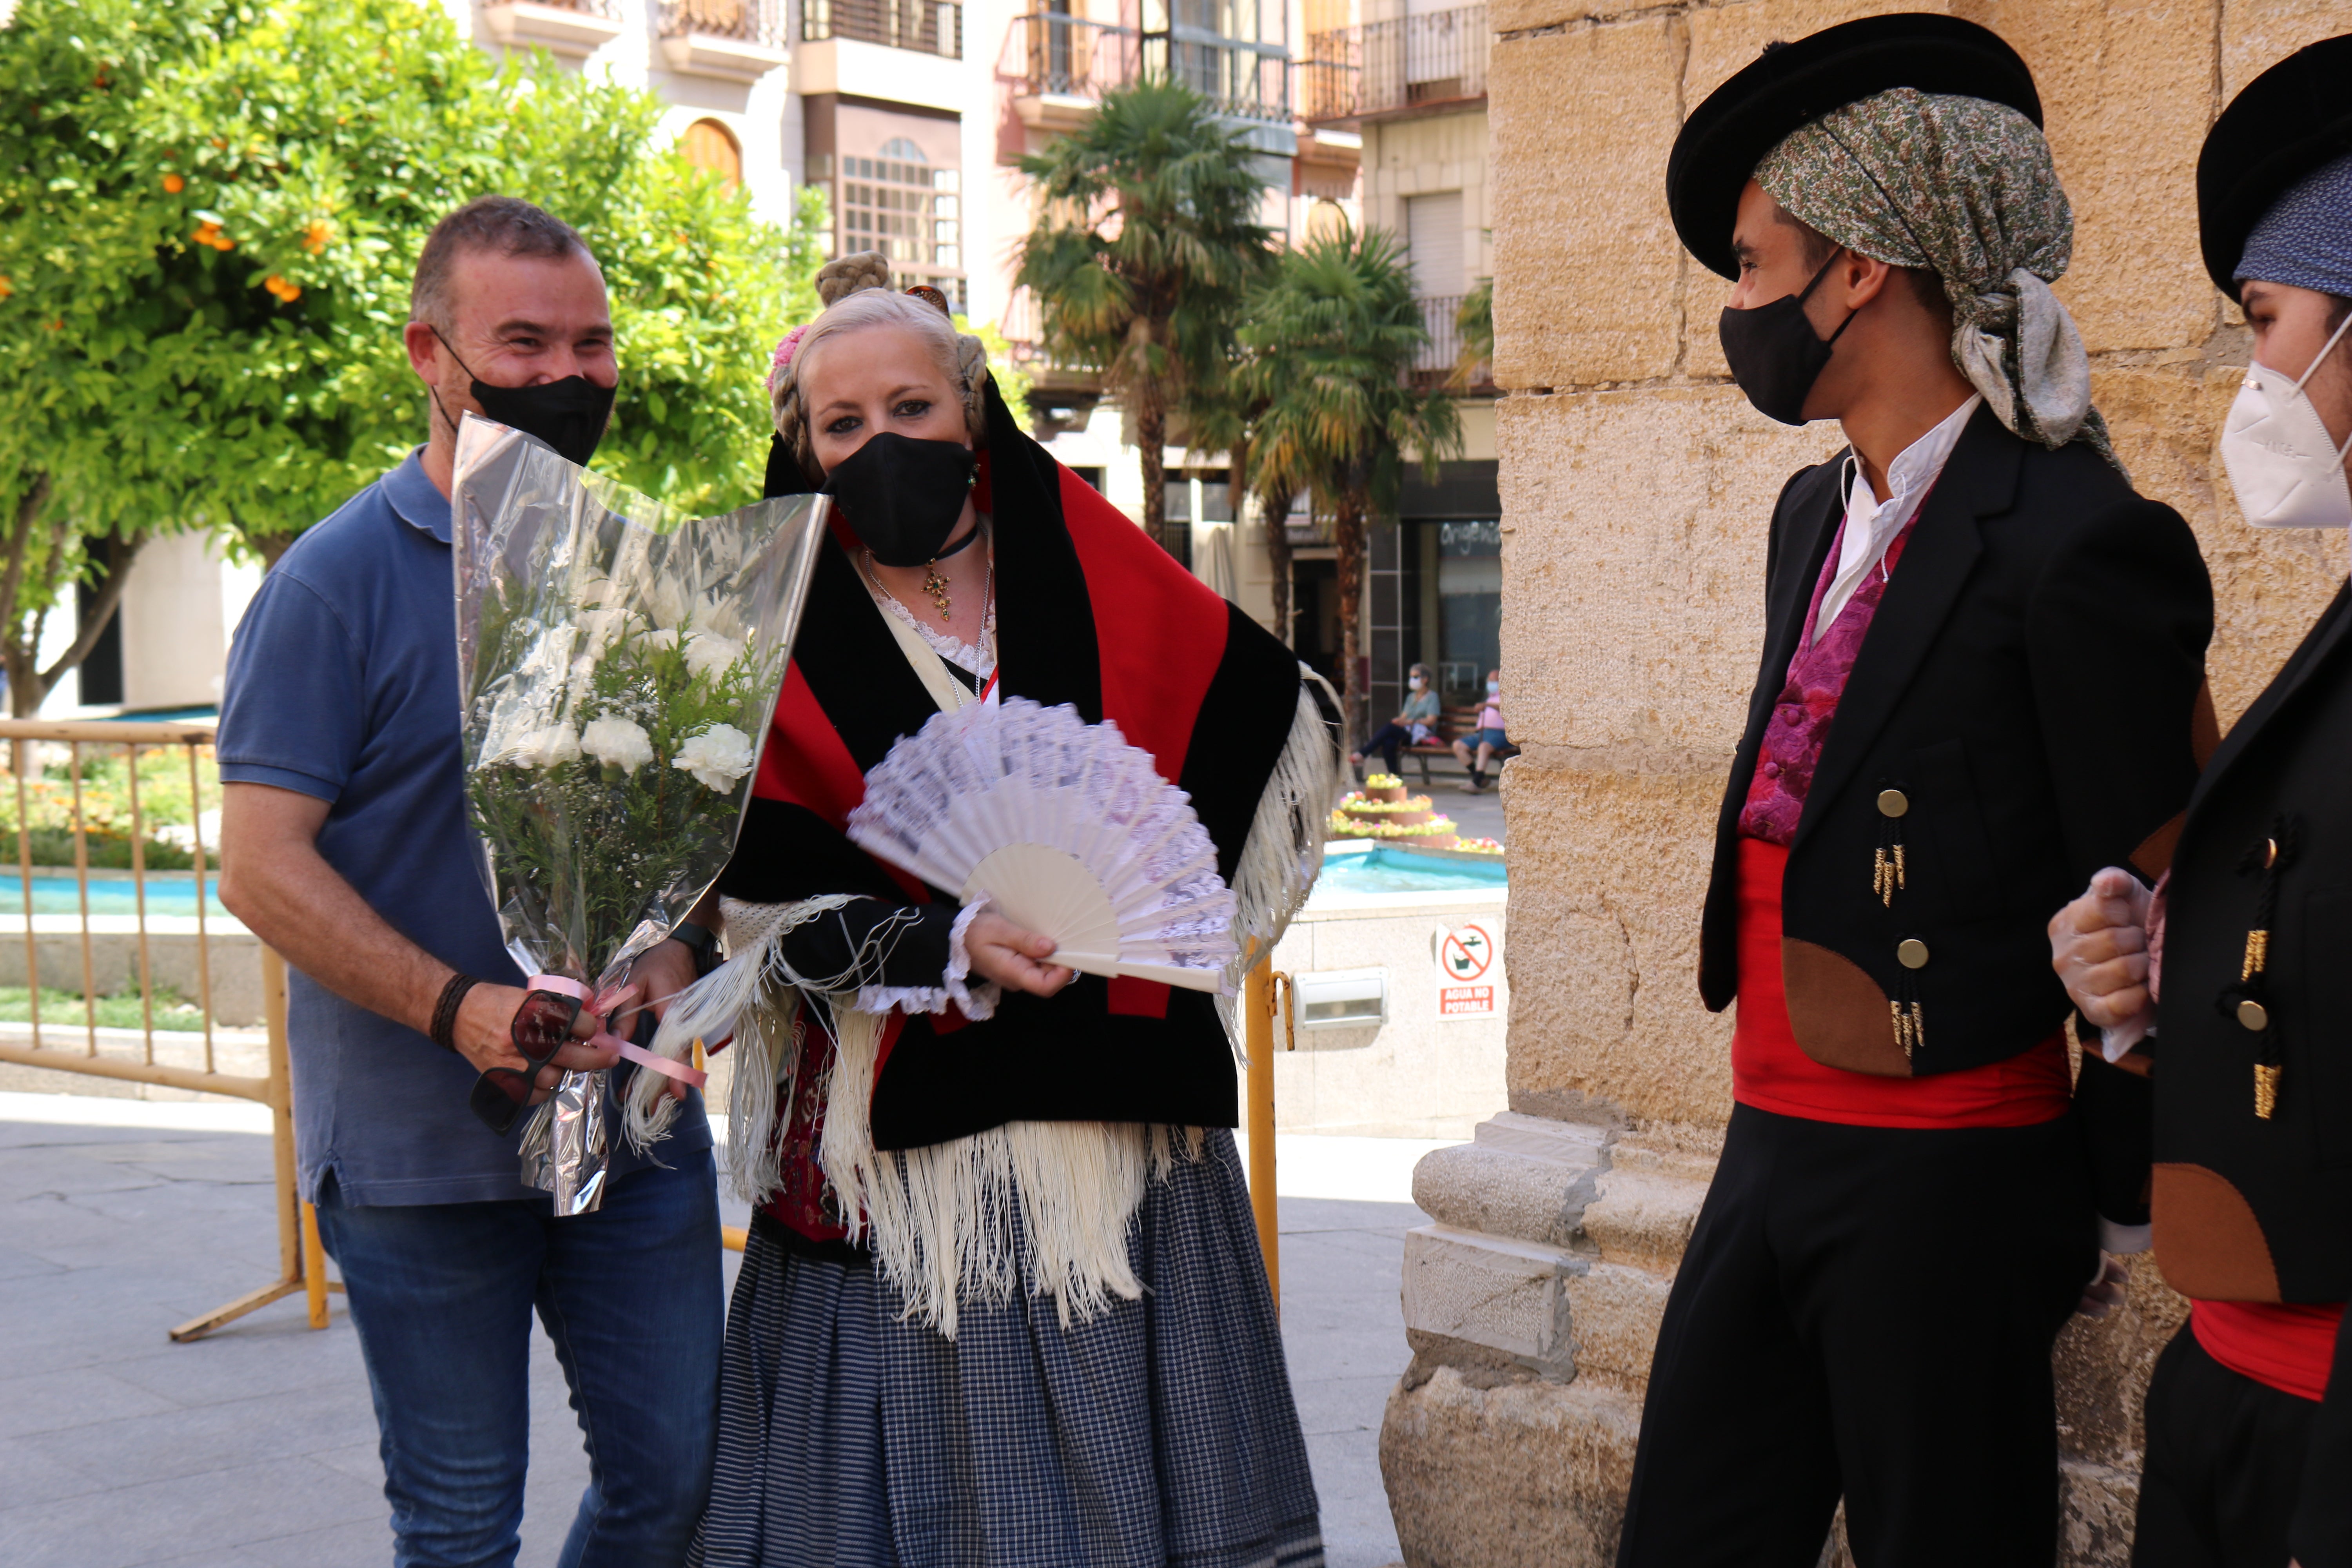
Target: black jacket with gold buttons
x=2252, y=1189
x=2021, y=714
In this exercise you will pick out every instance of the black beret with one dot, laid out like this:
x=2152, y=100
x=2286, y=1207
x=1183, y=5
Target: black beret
x=2286, y=123
x=1790, y=85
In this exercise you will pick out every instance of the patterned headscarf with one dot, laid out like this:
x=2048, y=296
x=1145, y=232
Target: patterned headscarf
x=2305, y=240
x=1966, y=188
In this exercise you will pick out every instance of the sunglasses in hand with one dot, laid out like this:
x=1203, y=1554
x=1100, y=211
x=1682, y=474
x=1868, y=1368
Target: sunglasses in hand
x=542, y=1026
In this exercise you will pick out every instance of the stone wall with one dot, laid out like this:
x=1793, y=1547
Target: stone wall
x=1636, y=486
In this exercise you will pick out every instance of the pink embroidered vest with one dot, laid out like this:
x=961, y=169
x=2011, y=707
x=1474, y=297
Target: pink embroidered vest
x=1801, y=713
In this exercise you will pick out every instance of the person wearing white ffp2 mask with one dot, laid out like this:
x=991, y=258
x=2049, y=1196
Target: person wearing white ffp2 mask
x=2219, y=994
x=2289, y=434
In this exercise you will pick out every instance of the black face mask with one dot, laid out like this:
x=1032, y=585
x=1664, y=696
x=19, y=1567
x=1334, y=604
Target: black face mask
x=569, y=415
x=1774, y=353
x=903, y=496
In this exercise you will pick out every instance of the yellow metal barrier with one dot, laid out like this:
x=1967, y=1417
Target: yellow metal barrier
x=301, y=1261
x=1265, y=991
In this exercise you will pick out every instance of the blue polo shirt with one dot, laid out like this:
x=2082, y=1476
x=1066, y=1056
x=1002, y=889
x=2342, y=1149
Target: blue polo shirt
x=343, y=684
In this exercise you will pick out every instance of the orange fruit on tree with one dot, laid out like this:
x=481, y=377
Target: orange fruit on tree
x=173, y=184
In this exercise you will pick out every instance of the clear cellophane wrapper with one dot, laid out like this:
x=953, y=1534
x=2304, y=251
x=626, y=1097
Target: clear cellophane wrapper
x=618, y=665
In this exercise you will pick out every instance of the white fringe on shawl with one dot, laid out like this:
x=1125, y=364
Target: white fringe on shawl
x=940, y=1219
x=1284, y=852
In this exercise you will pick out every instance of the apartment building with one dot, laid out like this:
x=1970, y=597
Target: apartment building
x=1408, y=78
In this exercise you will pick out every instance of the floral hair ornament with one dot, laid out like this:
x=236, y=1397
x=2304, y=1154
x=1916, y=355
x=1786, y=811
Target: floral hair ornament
x=782, y=361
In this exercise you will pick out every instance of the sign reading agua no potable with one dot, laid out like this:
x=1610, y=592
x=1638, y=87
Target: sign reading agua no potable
x=1469, y=972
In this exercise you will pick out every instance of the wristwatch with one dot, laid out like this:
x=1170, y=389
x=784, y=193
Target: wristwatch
x=699, y=941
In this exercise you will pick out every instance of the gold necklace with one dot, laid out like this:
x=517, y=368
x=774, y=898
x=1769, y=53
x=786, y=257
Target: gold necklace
x=937, y=587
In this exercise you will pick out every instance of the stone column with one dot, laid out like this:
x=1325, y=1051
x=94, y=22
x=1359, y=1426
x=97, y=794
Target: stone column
x=1637, y=486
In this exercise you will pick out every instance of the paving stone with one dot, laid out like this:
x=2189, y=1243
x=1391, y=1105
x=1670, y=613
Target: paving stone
x=36, y=1472
x=50, y=1402
x=361, y=1543
x=158, y=1519
x=257, y=1446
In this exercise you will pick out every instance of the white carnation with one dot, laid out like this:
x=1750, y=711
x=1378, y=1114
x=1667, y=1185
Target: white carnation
x=714, y=614
x=708, y=653
x=545, y=748
x=617, y=743
x=666, y=601
x=667, y=637
x=717, y=757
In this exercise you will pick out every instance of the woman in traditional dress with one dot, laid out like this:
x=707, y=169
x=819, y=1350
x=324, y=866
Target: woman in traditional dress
x=1003, y=1301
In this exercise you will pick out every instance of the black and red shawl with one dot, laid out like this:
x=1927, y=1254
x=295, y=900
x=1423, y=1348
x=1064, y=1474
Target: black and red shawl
x=1089, y=612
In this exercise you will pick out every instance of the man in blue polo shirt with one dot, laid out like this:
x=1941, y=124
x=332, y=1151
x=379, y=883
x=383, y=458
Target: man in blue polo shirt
x=345, y=846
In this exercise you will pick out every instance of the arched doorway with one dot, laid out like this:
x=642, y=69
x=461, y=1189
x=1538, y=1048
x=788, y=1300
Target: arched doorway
x=708, y=144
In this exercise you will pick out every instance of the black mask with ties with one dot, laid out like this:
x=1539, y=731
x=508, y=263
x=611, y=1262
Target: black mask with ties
x=1774, y=353
x=569, y=415
x=903, y=496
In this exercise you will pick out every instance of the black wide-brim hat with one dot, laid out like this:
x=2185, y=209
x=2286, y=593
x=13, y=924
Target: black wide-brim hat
x=2286, y=123
x=1792, y=85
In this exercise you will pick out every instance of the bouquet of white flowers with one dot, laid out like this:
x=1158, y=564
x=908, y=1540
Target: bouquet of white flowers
x=618, y=667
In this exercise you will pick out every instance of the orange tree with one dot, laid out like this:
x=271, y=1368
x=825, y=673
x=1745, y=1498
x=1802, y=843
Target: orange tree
x=209, y=214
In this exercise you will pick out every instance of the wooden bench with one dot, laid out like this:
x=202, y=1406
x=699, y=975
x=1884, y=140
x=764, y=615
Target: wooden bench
x=1452, y=723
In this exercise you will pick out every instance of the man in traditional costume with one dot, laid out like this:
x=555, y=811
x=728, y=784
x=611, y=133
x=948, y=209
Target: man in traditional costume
x=1003, y=1301
x=2218, y=992
x=1949, y=730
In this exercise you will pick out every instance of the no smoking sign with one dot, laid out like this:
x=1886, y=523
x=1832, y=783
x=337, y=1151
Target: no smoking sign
x=1466, y=956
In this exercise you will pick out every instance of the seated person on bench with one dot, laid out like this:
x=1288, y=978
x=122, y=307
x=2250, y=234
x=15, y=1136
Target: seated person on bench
x=1416, y=724
x=1488, y=737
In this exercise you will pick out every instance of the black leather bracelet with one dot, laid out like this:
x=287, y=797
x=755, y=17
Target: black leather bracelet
x=445, y=1011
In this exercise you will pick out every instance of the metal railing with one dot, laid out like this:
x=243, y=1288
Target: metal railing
x=928, y=26
x=138, y=955
x=1409, y=62
x=1053, y=54
x=747, y=21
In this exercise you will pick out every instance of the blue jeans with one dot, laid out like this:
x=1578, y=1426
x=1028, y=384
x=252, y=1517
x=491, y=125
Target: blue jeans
x=442, y=1295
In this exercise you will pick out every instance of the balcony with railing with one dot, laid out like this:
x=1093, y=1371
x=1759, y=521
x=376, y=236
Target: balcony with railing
x=1438, y=364
x=927, y=26
x=1407, y=65
x=742, y=40
x=573, y=29
x=1060, y=66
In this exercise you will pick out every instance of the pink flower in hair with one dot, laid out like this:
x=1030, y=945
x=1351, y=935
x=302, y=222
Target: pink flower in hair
x=783, y=360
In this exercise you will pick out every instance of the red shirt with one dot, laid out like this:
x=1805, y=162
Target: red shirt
x=2287, y=1345
x=1770, y=1071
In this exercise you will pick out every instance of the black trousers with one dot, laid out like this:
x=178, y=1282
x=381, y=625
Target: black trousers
x=2224, y=1465
x=1865, y=1312
x=1388, y=741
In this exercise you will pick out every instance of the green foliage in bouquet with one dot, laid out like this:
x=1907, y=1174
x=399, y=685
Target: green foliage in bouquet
x=633, y=782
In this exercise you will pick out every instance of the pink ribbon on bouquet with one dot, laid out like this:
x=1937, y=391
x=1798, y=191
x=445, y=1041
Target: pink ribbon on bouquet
x=602, y=1005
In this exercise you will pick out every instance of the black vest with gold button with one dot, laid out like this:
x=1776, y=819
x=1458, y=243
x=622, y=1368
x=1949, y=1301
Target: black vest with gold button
x=2006, y=731
x=2252, y=1189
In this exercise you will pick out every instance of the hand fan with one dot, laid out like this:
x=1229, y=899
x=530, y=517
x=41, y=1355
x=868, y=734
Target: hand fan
x=1070, y=831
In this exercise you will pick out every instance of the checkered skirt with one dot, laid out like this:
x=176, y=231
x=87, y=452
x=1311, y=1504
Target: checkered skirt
x=1161, y=1432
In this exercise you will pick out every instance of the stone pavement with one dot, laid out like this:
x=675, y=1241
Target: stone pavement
x=256, y=1447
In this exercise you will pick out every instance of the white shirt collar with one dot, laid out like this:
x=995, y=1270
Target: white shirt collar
x=1872, y=524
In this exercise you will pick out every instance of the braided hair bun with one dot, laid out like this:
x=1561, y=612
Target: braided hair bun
x=856, y=293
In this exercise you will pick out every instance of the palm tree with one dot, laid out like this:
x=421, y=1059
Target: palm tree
x=1146, y=242
x=1332, y=338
